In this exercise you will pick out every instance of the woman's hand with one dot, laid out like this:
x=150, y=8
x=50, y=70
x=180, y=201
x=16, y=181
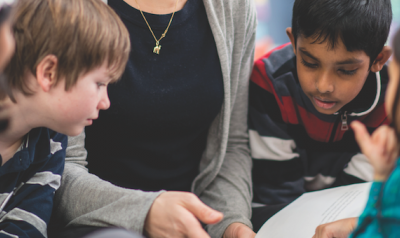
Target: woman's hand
x=238, y=230
x=380, y=148
x=176, y=214
x=337, y=229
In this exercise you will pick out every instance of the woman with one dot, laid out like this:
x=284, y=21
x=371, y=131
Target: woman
x=177, y=122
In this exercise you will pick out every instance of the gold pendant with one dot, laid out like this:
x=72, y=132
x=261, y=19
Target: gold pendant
x=157, y=48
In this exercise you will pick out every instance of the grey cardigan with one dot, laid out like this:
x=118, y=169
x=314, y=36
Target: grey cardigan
x=224, y=181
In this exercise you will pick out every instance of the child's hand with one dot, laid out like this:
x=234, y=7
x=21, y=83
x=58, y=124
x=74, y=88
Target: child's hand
x=337, y=229
x=380, y=148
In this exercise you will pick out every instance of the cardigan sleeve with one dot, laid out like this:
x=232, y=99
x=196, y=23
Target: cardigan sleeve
x=231, y=191
x=113, y=206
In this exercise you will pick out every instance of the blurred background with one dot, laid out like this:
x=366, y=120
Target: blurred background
x=275, y=15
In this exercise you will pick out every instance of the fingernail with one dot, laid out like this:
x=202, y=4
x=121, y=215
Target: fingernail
x=215, y=215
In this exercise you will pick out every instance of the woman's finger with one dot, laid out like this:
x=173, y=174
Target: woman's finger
x=194, y=228
x=201, y=211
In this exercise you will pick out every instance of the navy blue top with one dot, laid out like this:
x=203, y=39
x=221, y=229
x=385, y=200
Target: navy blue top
x=28, y=182
x=155, y=131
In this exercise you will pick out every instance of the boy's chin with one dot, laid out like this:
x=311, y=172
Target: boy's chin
x=326, y=111
x=71, y=131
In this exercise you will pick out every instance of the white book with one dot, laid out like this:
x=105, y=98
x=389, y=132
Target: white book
x=301, y=217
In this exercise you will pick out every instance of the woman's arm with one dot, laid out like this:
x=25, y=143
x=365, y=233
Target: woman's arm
x=231, y=191
x=85, y=199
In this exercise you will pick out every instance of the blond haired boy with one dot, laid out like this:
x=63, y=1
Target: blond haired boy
x=67, y=52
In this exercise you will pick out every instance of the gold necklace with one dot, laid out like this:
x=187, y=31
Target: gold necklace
x=157, y=48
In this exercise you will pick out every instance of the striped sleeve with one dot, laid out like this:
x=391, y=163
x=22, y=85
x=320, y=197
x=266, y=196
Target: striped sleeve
x=277, y=169
x=358, y=168
x=28, y=213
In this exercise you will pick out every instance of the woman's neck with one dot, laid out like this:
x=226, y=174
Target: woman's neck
x=159, y=7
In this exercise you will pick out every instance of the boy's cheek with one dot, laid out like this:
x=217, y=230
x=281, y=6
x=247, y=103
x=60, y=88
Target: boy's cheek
x=307, y=84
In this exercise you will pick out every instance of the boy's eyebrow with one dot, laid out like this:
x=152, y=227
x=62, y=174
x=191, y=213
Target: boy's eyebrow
x=347, y=61
x=304, y=51
x=350, y=61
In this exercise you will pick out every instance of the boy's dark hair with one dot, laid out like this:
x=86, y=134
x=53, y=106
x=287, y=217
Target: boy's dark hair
x=360, y=24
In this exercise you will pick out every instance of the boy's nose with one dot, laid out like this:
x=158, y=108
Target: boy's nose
x=104, y=103
x=324, y=84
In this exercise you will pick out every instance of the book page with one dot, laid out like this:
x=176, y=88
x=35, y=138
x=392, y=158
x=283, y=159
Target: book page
x=301, y=217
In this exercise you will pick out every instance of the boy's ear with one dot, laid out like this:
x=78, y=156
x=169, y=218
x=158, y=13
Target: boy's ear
x=291, y=37
x=46, y=72
x=381, y=60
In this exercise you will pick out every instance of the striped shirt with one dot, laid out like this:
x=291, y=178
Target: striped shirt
x=28, y=182
x=294, y=147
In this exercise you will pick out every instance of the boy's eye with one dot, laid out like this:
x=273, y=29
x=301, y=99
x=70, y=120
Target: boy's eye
x=101, y=84
x=309, y=65
x=348, y=72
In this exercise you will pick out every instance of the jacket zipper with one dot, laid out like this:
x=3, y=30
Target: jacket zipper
x=344, y=127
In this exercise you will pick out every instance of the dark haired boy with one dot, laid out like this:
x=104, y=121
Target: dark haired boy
x=304, y=95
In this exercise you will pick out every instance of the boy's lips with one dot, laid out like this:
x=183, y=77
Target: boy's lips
x=90, y=120
x=325, y=104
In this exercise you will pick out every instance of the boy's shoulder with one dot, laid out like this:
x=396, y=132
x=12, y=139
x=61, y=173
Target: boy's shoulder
x=47, y=142
x=40, y=147
x=30, y=179
x=269, y=69
x=47, y=154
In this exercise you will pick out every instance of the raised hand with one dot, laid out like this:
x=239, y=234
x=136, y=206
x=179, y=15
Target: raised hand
x=177, y=214
x=380, y=148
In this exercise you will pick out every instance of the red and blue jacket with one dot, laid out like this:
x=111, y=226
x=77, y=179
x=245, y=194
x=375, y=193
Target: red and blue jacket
x=28, y=182
x=295, y=148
